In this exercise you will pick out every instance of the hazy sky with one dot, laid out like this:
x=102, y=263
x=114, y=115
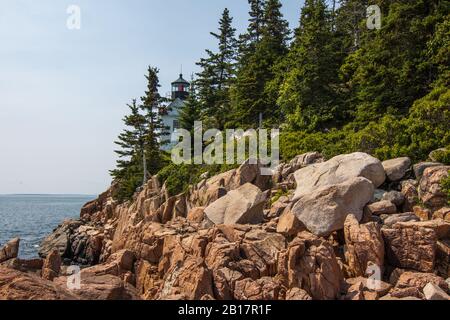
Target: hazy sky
x=63, y=93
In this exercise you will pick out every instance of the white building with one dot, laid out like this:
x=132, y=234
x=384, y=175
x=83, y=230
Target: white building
x=180, y=92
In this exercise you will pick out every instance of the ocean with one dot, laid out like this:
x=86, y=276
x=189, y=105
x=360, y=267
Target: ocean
x=33, y=217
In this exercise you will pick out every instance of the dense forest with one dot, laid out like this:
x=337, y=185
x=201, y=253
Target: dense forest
x=332, y=85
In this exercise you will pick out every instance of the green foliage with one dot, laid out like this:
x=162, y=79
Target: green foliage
x=445, y=184
x=217, y=74
x=395, y=86
x=140, y=143
x=178, y=178
x=443, y=156
x=129, y=170
x=338, y=87
x=391, y=69
x=191, y=112
x=307, y=94
x=280, y=193
x=253, y=92
x=424, y=130
x=329, y=144
x=155, y=130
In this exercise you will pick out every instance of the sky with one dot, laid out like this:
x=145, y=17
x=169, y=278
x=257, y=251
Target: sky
x=63, y=93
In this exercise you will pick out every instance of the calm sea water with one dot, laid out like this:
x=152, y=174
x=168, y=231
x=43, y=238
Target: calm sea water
x=33, y=217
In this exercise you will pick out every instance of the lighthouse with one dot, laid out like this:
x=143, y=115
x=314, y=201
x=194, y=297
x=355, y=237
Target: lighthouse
x=180, y=92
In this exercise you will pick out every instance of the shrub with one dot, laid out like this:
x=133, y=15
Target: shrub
x=445, y=183
x=443, y=156
x=178, y=178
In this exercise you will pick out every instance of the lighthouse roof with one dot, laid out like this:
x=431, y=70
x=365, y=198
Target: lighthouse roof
x=180, y=80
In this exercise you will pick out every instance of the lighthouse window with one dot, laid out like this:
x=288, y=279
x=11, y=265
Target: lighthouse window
x=176, y=124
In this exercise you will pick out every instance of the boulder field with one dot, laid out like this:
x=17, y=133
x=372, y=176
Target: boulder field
x=350, y=228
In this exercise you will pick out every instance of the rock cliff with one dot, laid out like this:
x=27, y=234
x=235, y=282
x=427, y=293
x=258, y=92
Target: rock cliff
x=351, y=227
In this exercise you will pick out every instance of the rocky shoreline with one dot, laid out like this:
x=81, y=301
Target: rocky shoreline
x=350, y=228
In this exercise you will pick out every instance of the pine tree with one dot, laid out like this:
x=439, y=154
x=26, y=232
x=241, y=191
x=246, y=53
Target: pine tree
x=217, y=74
x=350, y=23
x=252, y=94
x=307, y=94
x=129, y=170
x=155, y=130
x=256, y=20
x=253, y=36
x=191, y=111
x=276, y=29
x=391, y=69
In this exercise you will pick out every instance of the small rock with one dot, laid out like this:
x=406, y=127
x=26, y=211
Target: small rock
x=289, y=225
x=409, y=190
x=381, y=207
x=440, y=227
x=124, y=259
x=410, y=245
x=430, y=190
x=196, y=214
x=278, y=207
x=422, y=213
x=378, y=195
x=52, y=266
x=420, y=167
x=10, y=250
x=395, y=197
x=413, y=283
x=433, y=292
x=396, y=168
x=364, y=246
x=297, y=294
x=262, y=289
x=443, y=213
x=390, y=220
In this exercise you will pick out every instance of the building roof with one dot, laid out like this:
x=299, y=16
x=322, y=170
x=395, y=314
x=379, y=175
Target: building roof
x=180, y=80
x=175, y=106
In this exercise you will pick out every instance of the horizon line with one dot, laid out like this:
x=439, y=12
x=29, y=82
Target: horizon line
x=47, y=194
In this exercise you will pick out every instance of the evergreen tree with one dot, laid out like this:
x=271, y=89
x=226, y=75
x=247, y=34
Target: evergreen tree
x=217, y=73
x=252, y=94
x=391, y=69
x=350, y=21
x=191, y=111
x=253, y=36
x=129, y=170
x=155, y=130
x=307, y=94
x=256, y=21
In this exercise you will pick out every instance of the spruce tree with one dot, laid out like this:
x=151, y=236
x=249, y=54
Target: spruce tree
x=255, y=28
x=391, y=69
x=191, y=111
x=155, y=129
x=217, y=74
x=252, y=94
x=307, y=94
x=129, y=170
x=350, y=23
